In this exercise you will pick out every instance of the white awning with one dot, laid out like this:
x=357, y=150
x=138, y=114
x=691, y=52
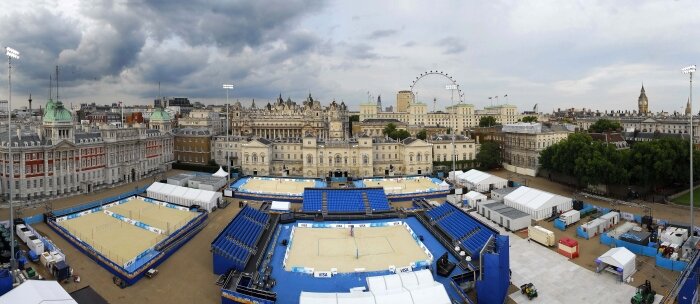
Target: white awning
x=38, y=292
x=220, y=173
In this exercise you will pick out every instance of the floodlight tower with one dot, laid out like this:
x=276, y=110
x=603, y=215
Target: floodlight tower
x=690, y=70
x=227, y=87
x=453, y=87
x=11, y=54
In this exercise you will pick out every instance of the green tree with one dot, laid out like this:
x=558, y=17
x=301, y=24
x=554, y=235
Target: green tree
x=489, y=155
x=394, y=133
x=529, y=119
x=400, y=135
x=422, y=134
x=487, y=121
x=389, y=129
x=604, y=125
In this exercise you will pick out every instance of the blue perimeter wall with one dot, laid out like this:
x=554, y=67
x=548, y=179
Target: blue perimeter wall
x=288, y=292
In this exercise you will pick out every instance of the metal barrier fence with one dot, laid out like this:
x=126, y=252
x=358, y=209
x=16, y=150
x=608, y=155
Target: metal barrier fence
x=100, y=202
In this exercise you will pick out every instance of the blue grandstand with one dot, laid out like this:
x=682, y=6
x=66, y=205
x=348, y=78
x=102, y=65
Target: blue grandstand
x=234, y=246
x=461, y=228
x=363, y=200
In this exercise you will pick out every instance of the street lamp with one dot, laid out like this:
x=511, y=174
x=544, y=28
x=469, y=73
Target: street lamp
x=11, y=54
x=453, y=87
x=227, y=87
x=690, y=70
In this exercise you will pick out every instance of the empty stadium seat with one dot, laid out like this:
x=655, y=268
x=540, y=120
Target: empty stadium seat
x=460, y=227
x=237, y=241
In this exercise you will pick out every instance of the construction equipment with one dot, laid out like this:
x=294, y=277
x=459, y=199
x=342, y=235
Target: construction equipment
x=529, y=290
x=644, y=295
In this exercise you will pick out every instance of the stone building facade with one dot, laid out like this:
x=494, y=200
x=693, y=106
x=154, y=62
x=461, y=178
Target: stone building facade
x=60, y=158
x=523, y=143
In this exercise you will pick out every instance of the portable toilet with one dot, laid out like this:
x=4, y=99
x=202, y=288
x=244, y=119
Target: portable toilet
x=568, y=247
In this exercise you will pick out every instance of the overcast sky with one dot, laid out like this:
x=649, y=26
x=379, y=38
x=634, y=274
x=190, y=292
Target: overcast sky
x=558, y=54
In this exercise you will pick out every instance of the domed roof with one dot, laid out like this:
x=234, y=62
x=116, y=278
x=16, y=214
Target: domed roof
x=159, y=115
x=56, y=112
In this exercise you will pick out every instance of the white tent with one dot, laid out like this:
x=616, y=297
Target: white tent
x=36, y=292
x=444, y=185
x=280, y=206
x=404, y=288
x=184, y=196
x=621, y=259
x=220, y=173
x=537, y=203
x=474, y=198
x=481, y=181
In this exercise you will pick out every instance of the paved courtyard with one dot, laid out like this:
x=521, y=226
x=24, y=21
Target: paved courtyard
x=557, y=280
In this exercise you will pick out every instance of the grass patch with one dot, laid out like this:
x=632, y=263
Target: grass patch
x=685, y=198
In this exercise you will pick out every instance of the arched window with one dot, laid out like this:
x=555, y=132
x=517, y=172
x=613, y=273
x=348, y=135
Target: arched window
x=419, y=157
x=255, y=158
x=345, y=159
x=309, y=159
x=410, y=158
x=365, y=160
x=338, y=159
x=246, y=158
x=262, y=158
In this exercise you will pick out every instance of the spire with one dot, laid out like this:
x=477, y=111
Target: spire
x=253, y=105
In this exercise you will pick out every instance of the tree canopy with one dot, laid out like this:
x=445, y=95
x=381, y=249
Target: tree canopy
x=394, y=133
x=422, y=134
x=489, y=155
x=529, y=119
x=604, y=125
x=652, y=163
x=487, y=121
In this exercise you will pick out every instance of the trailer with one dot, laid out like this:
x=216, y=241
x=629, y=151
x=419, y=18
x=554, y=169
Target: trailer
x=541, y=235
x=570, y=217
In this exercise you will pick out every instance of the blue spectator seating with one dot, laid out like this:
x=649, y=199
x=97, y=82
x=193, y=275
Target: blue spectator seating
x=345, y=200
x=234, y=246
x=471, y=234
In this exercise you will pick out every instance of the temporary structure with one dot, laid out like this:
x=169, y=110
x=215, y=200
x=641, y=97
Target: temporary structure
x=507, y=217
x=568, y=247
x=474, y=198
x=406, y=287
x=481, y=181
x=444, y=185
x=184, y=196
x=36, y=292
x=499, y=194
x=280, y=206
x=618, y=260
x=537, y=203
x=220, y=173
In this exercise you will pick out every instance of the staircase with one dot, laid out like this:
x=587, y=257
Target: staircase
x=468, y=235
x=324, y=203
x=368, y=209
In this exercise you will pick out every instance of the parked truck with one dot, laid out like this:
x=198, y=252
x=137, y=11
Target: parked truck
x=570, y=217
x=541, y=235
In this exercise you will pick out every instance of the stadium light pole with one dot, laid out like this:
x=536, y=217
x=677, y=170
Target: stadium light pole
x=690, y=70
x=453, y=87
x=11, y=54
x=227, y=87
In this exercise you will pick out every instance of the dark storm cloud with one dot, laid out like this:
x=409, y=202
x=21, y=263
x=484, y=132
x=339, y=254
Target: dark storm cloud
x=451, y=45
x=40, y=36
x=382, y=34
x=229, y=24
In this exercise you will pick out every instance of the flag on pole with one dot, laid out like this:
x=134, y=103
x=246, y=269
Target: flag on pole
x=505, y=95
